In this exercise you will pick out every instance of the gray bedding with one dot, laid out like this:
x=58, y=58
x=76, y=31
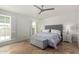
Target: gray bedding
x=53, y=38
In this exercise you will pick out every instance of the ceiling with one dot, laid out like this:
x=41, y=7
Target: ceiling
x=31, y=11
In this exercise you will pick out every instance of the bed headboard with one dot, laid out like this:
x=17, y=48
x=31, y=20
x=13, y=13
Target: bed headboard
x=57, y=27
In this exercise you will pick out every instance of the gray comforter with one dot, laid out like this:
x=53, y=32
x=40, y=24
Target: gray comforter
x=53, y=38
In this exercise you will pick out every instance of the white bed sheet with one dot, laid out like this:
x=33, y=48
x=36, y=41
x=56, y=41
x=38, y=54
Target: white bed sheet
x=53, y=38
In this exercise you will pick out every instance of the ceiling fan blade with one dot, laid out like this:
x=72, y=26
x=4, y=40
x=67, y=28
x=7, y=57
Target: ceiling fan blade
x=37, y=7
x=42, y=6
x=40, y=12
x=48, y=9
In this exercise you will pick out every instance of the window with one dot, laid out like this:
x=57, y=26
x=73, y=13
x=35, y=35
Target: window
x=33, y=27
x=5, y=28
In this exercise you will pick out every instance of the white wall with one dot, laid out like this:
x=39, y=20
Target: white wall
x=24, y=25
x=77, y=25
x=21, y=25
x=65, y=19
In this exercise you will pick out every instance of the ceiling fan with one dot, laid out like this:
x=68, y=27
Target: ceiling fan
x=42, y=9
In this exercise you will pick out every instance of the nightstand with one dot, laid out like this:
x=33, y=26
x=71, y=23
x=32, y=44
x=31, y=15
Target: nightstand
x=67, y=37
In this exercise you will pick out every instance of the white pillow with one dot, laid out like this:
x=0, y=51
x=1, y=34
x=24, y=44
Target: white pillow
x=45, y=30
x=56, y=31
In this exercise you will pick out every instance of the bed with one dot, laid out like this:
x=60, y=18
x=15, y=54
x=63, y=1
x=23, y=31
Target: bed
x=44, y=39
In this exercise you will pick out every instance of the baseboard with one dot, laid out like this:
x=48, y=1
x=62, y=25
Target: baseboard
x=10, y=42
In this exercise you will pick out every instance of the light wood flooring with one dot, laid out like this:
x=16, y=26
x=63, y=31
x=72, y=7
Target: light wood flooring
x=25, y=47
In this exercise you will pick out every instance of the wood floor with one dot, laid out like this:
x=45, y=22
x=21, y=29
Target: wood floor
x=26, y=48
